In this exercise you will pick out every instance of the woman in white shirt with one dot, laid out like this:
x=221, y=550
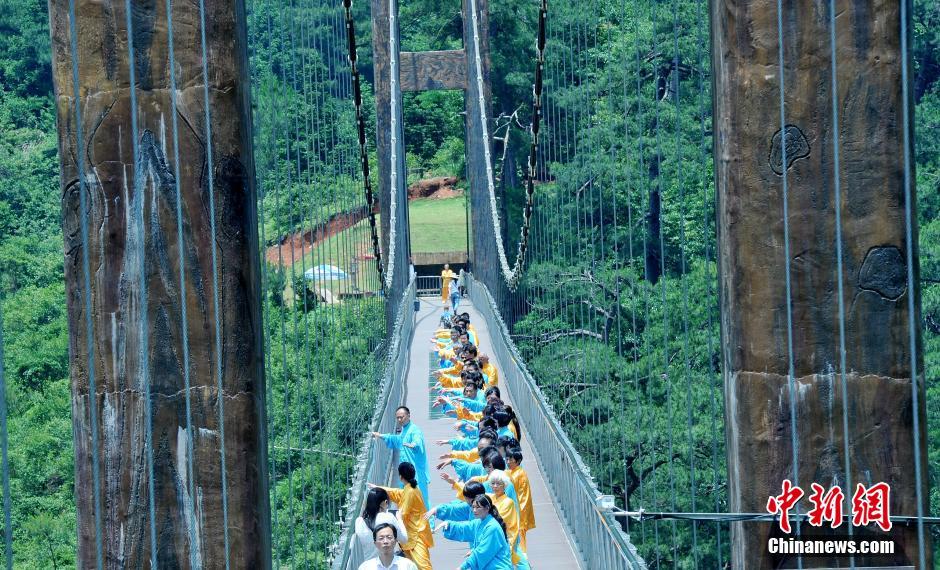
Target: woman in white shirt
x=374, y=514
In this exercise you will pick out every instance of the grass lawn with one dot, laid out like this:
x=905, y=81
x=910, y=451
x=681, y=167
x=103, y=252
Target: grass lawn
x=438, y=225
x=342, y=251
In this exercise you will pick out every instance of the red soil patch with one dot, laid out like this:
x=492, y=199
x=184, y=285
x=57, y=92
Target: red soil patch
x=302, y=243
x=435, y=188
x=299, y=244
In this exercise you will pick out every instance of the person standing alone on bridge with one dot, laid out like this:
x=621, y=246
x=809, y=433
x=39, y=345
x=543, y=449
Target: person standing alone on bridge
x=411, y=448
x=446, y=277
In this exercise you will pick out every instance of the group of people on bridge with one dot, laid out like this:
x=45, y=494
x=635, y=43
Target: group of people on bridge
x=493, y=509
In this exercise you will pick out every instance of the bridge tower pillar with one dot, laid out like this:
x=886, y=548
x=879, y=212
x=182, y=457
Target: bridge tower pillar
x=390, y=150
x=162, y=273
x=759, y=321
x=424, y=71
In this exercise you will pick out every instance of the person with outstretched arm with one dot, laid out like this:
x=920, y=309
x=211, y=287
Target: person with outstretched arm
x=411, y=510
x=410, y=446
x=487, y=535
x=374, y=514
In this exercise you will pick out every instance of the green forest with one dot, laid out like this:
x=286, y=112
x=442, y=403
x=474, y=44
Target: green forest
x=620, y=99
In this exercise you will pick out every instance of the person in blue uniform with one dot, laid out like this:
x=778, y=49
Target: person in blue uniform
x=458, y=510
x=486, y=534
x=411, y=448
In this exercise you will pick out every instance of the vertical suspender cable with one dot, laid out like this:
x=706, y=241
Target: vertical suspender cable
x=286, y=228
x=307, y=390
x=195, y=550
x=642, y=172
x=318, y=208
x=298, y=229
x=647, y=303
x=86, y=294
x=285, y=372
x=4, y=441
x=269, y=305
x=216, y=306
x=837, y=178
x=335, y=241
x=791, y=381
x=706, y=239
x=670, y=408
x=143, y=339
x=911, y=284
x=683, y=276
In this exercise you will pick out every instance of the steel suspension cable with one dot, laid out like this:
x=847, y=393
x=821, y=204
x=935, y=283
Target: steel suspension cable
x=86, y=294
x=141, y=250
x=683, y=275
x=647, y=342
x=511, y=275
x=791, y=381
x=618, y=284
x=4, y=445
x=216, y=306
x=837, y=191
x=266, y=296
x=279, y=102
x=318, y=213
x=292, y=376
x=663, y=280
x=631, y=176
x=707, y=236
x=303, y=178
x=195, y=553
x=909, y=252
x=310, y=101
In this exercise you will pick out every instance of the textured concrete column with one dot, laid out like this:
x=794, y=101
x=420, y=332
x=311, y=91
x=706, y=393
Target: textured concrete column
x=749, y=176
x=140, y=342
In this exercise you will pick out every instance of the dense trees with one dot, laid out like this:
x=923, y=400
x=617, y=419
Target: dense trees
x=614, y=79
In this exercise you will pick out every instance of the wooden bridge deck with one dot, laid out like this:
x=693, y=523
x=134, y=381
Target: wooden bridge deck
x=548, y=544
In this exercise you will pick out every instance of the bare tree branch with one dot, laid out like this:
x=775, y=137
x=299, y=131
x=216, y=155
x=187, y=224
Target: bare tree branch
x=552, y=337
x=585, y=185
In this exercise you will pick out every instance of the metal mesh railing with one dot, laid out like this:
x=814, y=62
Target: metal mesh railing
x=374, y=460
x=429, y=285
x=596, y=534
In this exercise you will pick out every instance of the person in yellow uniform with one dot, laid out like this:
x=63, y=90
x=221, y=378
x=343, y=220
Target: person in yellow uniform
x=411, y=509
x=489, y=369
x=508, y=509
x=520, y=481
x=446, y=277
x=449, y=341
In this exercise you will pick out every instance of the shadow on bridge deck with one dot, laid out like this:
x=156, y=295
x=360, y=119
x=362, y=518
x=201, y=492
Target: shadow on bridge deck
x=548, y=544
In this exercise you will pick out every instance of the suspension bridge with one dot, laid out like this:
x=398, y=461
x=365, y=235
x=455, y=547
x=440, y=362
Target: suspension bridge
x=715, y=285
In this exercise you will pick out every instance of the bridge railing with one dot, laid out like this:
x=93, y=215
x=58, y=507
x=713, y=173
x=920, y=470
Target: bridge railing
x=596, y=534
x=429, y=285
x=374, y=460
